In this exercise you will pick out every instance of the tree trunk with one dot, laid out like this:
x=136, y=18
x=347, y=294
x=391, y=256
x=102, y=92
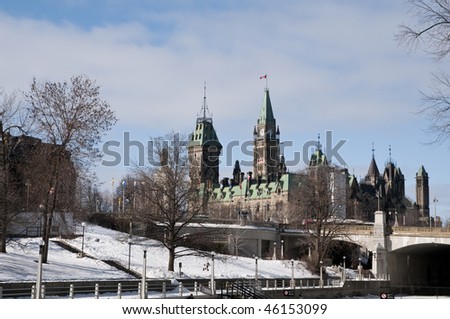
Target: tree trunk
x=3, y=192
x=2, y=236
x=48, y=214
x=171, y=264
x=45, y=237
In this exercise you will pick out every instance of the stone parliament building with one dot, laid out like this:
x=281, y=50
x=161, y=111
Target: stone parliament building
x=267, y=192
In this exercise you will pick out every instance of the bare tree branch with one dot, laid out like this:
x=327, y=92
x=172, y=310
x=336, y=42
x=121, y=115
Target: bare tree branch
x=318, y=208
x=168, y=201
x=72, y=118
x=432, y=28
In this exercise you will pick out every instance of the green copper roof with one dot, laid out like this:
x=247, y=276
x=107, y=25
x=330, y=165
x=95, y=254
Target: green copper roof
x=204, y=133
x=254, y=191
x=318, y=158
x=422, y=171
x=266, y=115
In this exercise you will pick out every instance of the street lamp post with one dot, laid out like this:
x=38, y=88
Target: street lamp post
x=144, y=276
x=282, y=249
x=130, y=242
x=124, y=184
x=37, y=294
x=213, y=290
x=435, y=200
x=134, y=196
x=321, y=275
x=292, y=274
x=345, y=273
x=83, y=224
x=274, y=257
x=359, y=268
x=256, y=271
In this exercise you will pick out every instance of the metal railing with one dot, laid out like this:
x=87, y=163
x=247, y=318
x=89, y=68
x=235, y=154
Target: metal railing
x=167, y=289
x=126, y=289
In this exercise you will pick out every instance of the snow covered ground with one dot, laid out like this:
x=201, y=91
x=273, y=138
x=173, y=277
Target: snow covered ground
x=20, y=263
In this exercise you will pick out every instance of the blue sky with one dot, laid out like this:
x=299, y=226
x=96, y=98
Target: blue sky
x=332, y=66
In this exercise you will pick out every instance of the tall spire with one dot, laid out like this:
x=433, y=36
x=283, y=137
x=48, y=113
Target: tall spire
x=204, y=108
x=204, y=130
x=318, y=158
x=390, y=154
x=373, y=171
x=373, y=174
x=266, y=114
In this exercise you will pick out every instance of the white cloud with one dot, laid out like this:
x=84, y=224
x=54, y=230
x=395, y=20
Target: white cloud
x=331, y=66
x=331, y=75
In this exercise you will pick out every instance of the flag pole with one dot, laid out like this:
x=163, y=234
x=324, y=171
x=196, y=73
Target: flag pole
x=264, y=77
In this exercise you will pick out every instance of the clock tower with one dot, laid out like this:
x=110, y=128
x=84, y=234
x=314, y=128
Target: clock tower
x=266, y=143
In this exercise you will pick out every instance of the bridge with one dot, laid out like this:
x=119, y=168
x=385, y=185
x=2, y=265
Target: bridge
x=409, y=256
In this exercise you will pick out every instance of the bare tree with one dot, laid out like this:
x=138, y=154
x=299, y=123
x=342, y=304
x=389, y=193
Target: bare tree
x=88, y=197
x=318, y=208
x=168, y=201
x=238, y=240
x=432, y=30
x=72, y=117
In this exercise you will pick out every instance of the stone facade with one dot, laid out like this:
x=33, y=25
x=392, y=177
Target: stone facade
x=267, y=192
x=25, y=181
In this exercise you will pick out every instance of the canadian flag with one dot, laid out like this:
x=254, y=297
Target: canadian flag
x=263, y=76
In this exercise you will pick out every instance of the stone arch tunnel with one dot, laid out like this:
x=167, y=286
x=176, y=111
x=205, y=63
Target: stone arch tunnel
x=421, y=267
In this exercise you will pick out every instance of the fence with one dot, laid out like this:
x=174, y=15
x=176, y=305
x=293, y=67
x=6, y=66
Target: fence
x=157, y=289
x=98, y=290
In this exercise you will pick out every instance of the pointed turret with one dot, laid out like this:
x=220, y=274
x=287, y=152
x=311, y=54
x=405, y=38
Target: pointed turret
x=204, y=149
x=266, y=114
x=373, y=174
x=394, y=180
x=422, y=172
x=318, y=158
